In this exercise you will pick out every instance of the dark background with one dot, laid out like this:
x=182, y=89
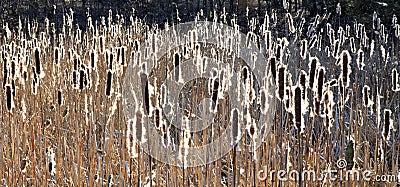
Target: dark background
x=160, y=11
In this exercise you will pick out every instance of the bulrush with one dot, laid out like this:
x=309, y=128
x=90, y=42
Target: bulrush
x=83, y=77
x=93, y=59
x=303, y=81
x=177, y=61
x=281, y=82
x=109, y=83
x=9, y=98
x=38, y=64
x=313, y=67
x=320, y=85
x=235, y=126
x=388, y=125
x=157, y=117
x=145, y=92
x=395, y=80
x=272, y=65
x=60, y=99
x=56, y=55
x=297, y=107
x=345, y=61
x=360, y=59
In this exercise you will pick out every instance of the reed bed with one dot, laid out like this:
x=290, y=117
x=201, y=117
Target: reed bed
x=63, y=124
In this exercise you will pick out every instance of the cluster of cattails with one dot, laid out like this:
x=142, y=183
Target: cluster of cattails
x=97, y=58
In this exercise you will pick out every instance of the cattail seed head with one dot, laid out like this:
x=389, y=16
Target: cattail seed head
x=177, y=61
x=145, y=93
x=281, y=82
x=235, y=126
x=345, y=61
x=313, y=65
x=272, y=65
x=9, y=97
x=320, y=84
x=367, y=100
x=297, y=107
x=360, y=59
x=56, y=55
x=388, y=124
x=139, y=130
x=109, y=83
x=395, y=80
x=60, y=99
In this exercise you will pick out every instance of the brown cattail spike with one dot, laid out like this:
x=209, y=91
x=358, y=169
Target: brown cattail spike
x=177, y=59
x=139, y=125
x=145, y=92
x=281, y=83
x=320, y=83
x=272, y=64
x=313, y=69
x=59, y=97
x=387, y=124
x=297, y=107
x=9, y=98
x=395, y=80
x=109, y=82
x=37, y=61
